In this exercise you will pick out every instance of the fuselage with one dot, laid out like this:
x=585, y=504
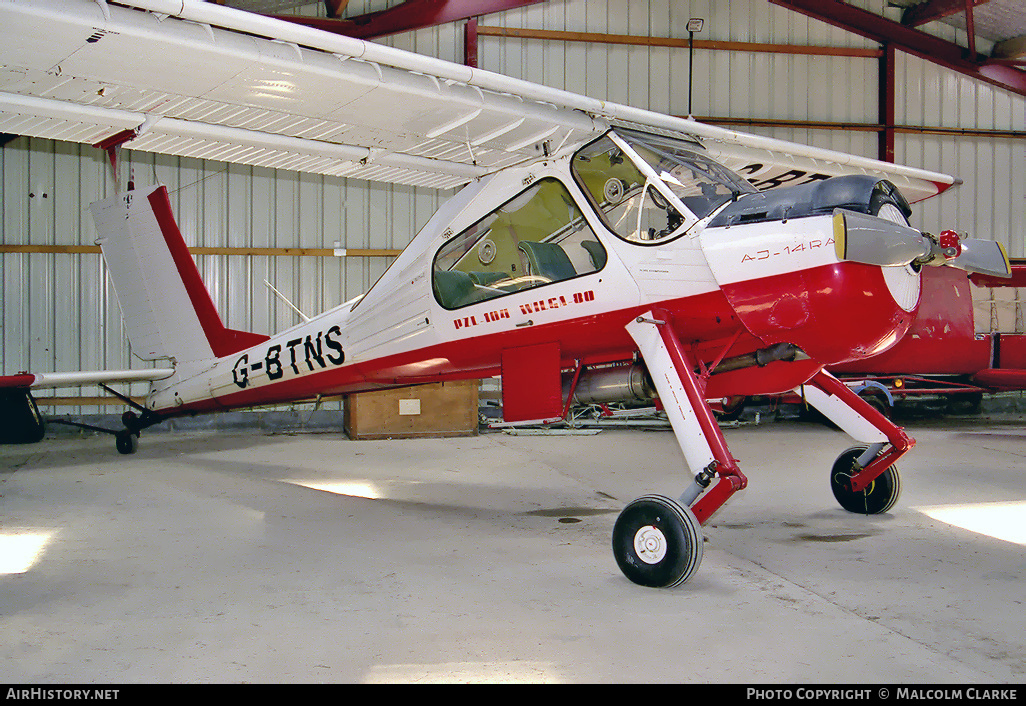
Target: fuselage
x=482, y=278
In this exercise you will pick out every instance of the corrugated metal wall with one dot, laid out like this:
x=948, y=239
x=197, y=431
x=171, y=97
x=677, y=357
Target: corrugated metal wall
x=59, y=312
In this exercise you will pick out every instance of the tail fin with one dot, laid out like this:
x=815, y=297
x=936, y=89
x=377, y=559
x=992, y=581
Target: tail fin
x=167, y=310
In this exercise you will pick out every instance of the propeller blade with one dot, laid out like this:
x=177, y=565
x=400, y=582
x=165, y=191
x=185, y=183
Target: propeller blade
x=875, y=241
x=985, y=257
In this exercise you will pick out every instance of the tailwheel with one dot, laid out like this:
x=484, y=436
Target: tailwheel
x=657, y=542
x=126, y=441
x=878, y=497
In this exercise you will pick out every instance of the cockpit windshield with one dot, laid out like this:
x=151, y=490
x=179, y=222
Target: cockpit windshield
x=626, y=173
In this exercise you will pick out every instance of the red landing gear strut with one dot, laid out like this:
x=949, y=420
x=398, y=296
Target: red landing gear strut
x=657, y=540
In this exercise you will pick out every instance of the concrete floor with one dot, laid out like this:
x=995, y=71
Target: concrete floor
x=234, y=558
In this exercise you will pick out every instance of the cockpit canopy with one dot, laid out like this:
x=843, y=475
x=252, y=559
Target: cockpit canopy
x=647, y=187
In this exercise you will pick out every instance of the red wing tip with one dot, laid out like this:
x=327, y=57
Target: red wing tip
x=21, y=380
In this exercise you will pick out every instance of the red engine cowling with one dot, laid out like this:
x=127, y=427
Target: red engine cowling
x=835, y=313
x=787, y=284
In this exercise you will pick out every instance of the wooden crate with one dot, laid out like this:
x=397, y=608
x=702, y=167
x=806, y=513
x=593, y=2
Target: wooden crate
x=437, y=409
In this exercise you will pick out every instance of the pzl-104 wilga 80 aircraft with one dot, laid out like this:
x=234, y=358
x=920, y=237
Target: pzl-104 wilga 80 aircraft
x=596, y=250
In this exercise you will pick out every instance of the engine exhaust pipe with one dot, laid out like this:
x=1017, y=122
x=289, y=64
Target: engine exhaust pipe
x=620, y=384
x=631, y=383
x=762, y=357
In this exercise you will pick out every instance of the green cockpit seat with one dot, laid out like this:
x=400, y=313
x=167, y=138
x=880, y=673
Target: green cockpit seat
x=487, y=278
x=547, y=260
x=453, y=288
x=596, y=252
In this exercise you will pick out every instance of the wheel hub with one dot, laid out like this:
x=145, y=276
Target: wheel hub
x=650, y=544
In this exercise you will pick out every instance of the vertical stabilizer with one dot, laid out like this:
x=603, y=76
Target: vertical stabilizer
x=167, y=311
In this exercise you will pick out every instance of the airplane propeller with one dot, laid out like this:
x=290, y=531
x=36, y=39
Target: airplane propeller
x=985, y=257
x=859, y=237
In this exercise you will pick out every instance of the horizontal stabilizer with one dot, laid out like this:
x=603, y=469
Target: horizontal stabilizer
x=1017, y=279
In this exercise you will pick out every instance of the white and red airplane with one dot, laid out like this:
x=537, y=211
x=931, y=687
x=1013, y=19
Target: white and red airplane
x=596, y=250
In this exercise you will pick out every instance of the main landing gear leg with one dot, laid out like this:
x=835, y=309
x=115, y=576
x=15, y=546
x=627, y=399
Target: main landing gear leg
x=864, y=478
x=657, y=540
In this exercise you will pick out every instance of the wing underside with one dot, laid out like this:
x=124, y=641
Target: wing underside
x=196, y=79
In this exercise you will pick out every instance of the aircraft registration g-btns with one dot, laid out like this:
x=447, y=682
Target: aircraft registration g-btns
x=595, y=251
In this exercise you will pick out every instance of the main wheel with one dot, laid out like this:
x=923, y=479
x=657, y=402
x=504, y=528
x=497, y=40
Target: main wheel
x=657, y=542
x=878, y=497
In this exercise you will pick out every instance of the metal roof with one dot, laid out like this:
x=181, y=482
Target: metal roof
x=997, y=21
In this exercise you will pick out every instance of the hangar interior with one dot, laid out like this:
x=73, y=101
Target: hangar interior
x=917, y=599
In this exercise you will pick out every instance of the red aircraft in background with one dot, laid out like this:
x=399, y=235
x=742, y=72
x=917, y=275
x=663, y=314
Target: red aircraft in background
x=943, y=353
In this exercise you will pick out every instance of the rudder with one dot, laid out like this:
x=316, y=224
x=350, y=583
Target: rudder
x=168, y=313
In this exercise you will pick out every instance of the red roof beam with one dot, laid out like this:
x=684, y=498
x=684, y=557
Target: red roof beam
x=970, y=29
x=408, y=16
x=334, y=8
x=912, y=41
x=935, y=10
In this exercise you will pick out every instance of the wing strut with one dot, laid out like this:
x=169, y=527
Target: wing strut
x=112, y=146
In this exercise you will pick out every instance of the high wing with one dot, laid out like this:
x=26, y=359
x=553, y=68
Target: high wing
x=196, y=79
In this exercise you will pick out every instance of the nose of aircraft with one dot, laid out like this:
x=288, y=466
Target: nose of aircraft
x=835, y=312
x=841, y=284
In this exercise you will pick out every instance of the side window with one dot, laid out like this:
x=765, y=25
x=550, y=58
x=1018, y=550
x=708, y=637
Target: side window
x=631, y=205
x=537, y=238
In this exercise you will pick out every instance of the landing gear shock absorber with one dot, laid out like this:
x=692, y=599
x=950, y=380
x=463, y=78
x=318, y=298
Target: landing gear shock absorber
x=658, y=541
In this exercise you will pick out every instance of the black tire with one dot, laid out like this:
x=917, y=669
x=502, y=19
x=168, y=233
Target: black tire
x=22, y=422
x=733, y=408
x=878, y=498
x=657, y=542
x=877, y=402
x=880, y=199
x=130, y=419
x=126, y=442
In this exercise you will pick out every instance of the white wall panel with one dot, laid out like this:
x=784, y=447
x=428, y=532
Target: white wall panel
x=59, y=312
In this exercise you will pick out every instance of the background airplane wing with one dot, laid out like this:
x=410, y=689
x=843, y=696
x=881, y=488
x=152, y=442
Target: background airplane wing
x=38, y=381
x=197, y=79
